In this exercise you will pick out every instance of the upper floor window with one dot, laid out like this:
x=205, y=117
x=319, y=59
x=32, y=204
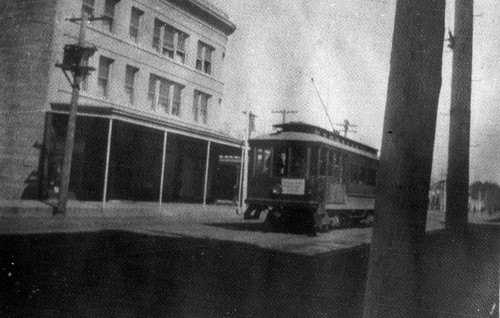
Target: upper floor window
x=104, y=75
x=109, y=14
x=204, y=58
x=200, y=106
x=176, y=100
x=135, y=24
x=169, y=41
x=85, y=80
x=88, y=7
x=164, y=94
x=130, y=74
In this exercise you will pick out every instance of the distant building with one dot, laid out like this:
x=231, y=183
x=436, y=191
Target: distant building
x=147, y=126
x=437, y=196
x=484, y=197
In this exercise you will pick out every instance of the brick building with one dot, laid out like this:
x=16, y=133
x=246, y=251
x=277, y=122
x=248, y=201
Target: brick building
x=147, y=124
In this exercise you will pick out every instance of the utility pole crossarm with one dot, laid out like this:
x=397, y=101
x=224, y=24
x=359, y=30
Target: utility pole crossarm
x=284, y=112
x=346, y=125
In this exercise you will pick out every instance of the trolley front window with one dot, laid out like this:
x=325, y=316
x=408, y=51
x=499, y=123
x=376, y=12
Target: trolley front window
x=262, y=161
x=280, y=162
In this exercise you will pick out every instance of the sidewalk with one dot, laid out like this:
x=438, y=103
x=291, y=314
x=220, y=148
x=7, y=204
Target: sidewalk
x=45, y=209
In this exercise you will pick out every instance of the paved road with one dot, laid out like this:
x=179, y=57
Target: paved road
x=190, y=220
x=190, y=261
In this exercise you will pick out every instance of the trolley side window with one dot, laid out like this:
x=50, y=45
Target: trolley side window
x=344, y=163
x=313, y=166
x=355, y=173
x=262, y=161
x=323, y=161
x=298, y=161
x=331, y=163
x=336, y=167
x=371, y=176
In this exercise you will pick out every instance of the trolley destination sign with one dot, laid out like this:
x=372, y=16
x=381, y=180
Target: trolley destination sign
x=293, y=186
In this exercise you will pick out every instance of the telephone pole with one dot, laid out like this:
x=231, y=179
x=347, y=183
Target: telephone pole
x=250, y=126
x=403, y=178
x=284, y=112
x=457, y=185
x=75, y=61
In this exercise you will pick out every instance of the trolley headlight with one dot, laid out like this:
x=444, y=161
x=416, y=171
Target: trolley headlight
x=277, y=189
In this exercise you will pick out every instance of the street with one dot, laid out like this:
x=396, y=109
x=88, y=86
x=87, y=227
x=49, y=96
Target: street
x=211, y=263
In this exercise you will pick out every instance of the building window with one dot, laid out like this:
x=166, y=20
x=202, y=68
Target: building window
x=88, y=7
x=163, y=98
x=157, y=35
x=85, y=80
x=103, y=75
x=164, y=94
x=204, y=58
x=130, y=74
x=135, y=24
x=109, y=14
x=200, y=106
x=169, y=41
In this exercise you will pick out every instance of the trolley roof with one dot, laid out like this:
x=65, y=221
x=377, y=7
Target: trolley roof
x=299, y=131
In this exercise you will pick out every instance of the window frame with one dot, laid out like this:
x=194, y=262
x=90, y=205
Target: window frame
x=204, y=58
x=84, y=85
x=132, y=26
x=89, y=7
x=169, y=41
x=108, y=15
x=130, y=84
x=106, y=78
x=200, y=106
x=168, y=97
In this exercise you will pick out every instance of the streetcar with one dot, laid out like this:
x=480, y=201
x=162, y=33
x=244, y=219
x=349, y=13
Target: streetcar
x=310, y=179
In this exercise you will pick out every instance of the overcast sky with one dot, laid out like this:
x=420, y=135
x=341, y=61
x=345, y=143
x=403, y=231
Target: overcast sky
x=279, y=45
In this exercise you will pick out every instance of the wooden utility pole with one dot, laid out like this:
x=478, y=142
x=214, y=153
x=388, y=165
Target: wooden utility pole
x=75, y=61
x=457, y=187
x=406, y=160
x=284, y=112
x=250, y=123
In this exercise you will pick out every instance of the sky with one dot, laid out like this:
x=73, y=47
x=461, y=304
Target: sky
x=279, y=46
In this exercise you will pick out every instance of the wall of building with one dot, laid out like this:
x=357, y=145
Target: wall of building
x=33, y=90
x=25, y=60
x=118, y=46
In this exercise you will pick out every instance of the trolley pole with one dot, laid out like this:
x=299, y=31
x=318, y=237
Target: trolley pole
x=404, y=173
x=457, y=187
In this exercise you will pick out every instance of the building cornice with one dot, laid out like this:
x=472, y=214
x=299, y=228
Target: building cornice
x=207, y=13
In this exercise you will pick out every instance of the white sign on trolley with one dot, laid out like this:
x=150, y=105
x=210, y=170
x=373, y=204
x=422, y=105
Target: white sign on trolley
x=293, y=186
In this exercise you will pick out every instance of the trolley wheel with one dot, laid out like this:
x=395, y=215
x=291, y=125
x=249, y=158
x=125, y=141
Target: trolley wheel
x=339, y=221
x=274, y=220
x=368, y=220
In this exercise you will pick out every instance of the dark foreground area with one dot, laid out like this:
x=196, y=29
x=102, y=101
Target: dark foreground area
x=113, y=273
